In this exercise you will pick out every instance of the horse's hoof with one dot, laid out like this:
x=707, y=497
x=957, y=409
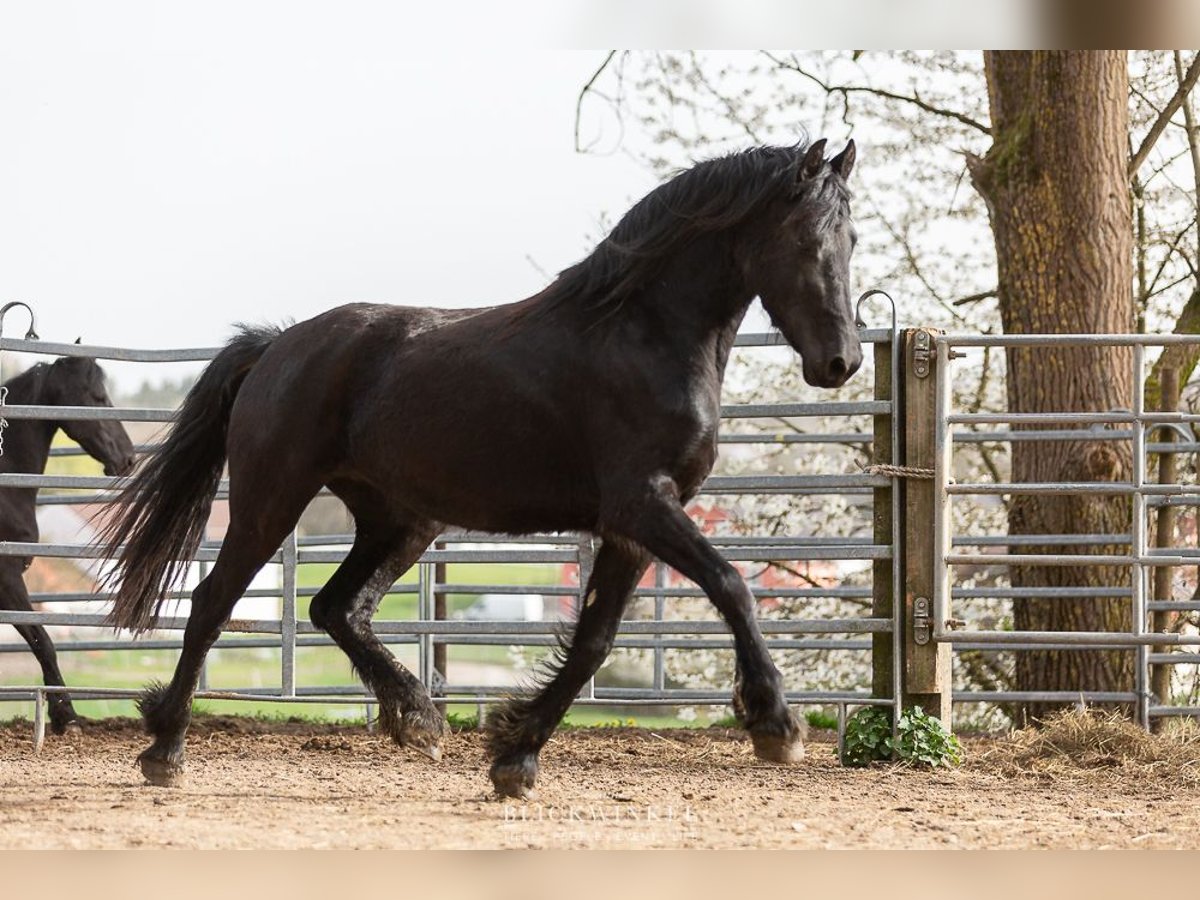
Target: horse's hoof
x=161, y=772
x=778, y=748
x=73, y=730
x=432, y=751
x=518, y=792
x=68, y=727
x=421, y=730
x=515, y=779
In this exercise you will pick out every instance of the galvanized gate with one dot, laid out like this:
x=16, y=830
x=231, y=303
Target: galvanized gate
x=1151, y=435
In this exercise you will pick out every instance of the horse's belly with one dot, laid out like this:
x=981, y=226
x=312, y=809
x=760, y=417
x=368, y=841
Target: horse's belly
x=492, y=483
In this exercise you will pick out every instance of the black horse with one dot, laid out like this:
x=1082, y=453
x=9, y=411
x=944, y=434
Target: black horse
x=591, y=406
x=65, y=382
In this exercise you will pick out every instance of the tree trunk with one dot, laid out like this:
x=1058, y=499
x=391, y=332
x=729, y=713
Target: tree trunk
x=1058, y=196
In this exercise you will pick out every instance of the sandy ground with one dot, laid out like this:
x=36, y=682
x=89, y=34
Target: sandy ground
x=303, y=785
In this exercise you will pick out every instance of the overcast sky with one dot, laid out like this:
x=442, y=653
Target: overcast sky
x=168, y=169
x=163, y=177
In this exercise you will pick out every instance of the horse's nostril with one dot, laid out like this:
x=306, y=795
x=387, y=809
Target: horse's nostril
x=838, y=368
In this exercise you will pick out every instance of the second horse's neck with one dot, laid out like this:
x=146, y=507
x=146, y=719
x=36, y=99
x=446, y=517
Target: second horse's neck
x=26, y=441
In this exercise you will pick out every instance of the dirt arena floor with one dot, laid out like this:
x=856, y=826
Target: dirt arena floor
x=287, y=785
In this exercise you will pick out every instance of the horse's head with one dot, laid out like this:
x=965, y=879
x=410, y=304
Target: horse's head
x=76, y=381
x=798, y=262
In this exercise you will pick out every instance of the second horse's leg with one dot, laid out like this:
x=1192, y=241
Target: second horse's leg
x=518, y=730
x=14, y=596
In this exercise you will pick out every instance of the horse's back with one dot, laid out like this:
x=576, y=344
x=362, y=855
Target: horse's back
x=295, y=407
x=461, y=416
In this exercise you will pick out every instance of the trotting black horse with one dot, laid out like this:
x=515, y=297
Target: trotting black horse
x=591, y=406
x=65, y=382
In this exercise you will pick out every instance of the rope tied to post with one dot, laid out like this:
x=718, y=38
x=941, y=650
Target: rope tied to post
x=30, y=335
x=900, y=471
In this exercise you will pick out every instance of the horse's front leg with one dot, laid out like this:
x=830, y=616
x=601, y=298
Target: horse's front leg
x=14, y=596
x=519, y=729
x=658, y=522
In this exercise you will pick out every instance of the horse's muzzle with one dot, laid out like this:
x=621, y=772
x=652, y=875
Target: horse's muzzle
x=122, y=467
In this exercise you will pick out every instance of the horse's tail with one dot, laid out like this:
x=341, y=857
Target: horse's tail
x=160, y=516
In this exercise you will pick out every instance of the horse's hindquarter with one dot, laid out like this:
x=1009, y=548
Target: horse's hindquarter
x=480, y=426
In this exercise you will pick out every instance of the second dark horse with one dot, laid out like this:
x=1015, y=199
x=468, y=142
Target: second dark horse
x=591, y=406
x=65, y=382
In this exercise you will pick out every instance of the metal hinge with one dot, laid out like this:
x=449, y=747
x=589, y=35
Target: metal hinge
x=922, y=630
x=922, y=351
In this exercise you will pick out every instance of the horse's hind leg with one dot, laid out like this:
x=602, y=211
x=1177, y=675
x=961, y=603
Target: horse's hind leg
x=382, y=552
x=518, y=730
x=14, y=596
x=253, y=537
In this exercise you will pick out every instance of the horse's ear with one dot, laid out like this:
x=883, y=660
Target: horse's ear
x=813, y=160
x=843, y=163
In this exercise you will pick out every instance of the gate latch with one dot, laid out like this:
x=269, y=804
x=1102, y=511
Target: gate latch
x=921, y=353
x=922, y=630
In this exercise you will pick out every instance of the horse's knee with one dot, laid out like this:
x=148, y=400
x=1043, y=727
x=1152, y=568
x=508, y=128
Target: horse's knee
x=730, y=589
x=321, y=614
x=593, y=648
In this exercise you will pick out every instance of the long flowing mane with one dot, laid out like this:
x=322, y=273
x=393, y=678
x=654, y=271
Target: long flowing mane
x=28, y=386
x=712, y=196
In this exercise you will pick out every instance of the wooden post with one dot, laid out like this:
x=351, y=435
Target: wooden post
x=882, y=584
x=1164, y=536
x=926, y=670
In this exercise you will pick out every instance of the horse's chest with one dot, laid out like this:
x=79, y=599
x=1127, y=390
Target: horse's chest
x=695, y=439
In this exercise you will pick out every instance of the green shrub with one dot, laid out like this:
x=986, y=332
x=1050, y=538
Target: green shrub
x=921, y=739
x=868, y=737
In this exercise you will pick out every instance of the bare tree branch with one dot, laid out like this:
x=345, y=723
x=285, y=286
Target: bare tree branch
x=1172, y=245
x=730, y=110
x=975, y=298
x=587, y=89
x=846, y=89
x=1166, y=287
x=914, y=265
x=1185, y=87
x=1189, y=122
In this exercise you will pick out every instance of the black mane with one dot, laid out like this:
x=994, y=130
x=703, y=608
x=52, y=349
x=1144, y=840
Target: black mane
x=26, y=387
x=29, y=384
x=711, y=196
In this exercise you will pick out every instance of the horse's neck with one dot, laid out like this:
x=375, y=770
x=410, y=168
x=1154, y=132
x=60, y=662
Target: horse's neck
x=26, y=441
x=700, y=298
